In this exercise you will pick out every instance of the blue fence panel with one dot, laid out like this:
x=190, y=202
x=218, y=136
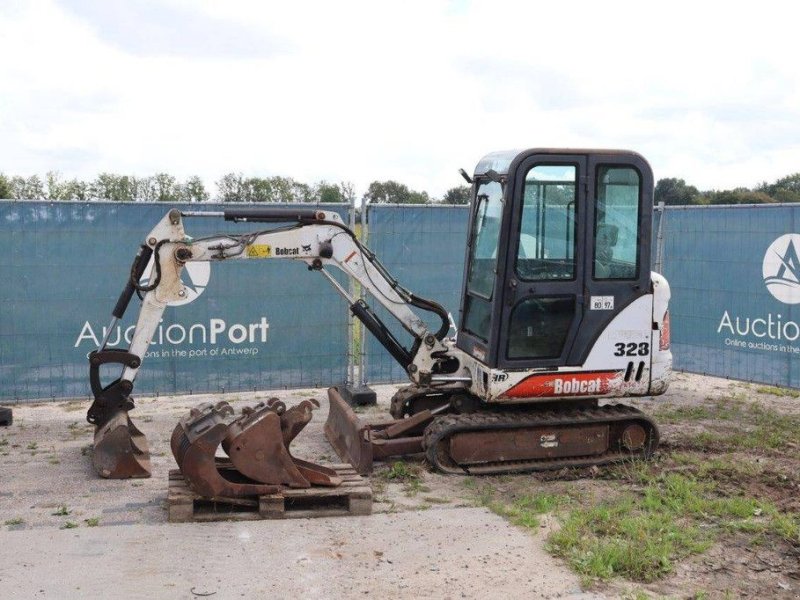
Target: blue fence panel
x=423, y=248
x=725, y=320
x=254, y=325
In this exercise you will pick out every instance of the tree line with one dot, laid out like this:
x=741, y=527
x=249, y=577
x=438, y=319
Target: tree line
x=231, y=187
x=673, y=191
x=235, y=187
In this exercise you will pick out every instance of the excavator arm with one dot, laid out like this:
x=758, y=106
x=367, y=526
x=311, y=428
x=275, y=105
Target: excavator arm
x=315, y=237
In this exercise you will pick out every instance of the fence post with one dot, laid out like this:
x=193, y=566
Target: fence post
x=659, y=262
x=356, y=392
x=351, y=330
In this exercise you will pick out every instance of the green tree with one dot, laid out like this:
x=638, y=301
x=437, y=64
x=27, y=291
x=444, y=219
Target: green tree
x=786, y=189
x=193, y=190
x=328, y=192
x=457, y=195
x=231, y=187
x=30, y=188
x=6, y=190
x=738, y=196
x=393, y=192
x=117, y=188
x=673, y=191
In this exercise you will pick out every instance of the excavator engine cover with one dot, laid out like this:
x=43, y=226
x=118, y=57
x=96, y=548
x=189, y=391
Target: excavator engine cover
x=257, y=443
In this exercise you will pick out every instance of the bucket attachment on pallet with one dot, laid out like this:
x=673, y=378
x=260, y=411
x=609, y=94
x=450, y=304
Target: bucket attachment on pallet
x=120, y=449
x=360, y=444
x=257, y=443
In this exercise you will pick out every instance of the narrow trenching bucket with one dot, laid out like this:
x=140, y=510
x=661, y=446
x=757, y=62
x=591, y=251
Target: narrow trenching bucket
x=120, y=449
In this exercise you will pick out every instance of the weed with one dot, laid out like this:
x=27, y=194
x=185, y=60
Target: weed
x=776, y=391
x=400, y=471
x=469, y=482
x=62, y=511
x=640, y=536
x=92, y=522
x=3, y=442
x=32, y=446
x=435, y=500
x=69, y=525
x=526, y=510
x=414, y=486
x=15, y=521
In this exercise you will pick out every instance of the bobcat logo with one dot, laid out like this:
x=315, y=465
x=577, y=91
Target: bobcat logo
x=781, y=269
x=306, y=248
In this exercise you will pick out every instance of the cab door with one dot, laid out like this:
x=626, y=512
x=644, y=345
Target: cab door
x=543, y=299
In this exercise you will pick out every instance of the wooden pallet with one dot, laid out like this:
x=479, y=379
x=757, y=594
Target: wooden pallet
x=352, y=497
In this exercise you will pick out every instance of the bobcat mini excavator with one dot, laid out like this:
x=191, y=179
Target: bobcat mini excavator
x=559, y=313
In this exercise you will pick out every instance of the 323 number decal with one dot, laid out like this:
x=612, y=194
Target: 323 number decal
x=632, y=349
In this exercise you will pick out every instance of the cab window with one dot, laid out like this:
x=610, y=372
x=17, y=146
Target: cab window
x=547, y=228
x=616, y=227
x=483, y=258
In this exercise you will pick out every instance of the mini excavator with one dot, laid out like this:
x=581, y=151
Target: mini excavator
x=559, y=313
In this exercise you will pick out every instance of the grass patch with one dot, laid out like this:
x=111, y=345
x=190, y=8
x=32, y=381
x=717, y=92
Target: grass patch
x=69, y=525
x=776, y=391
x=61, y=511
x=640, y=536
x=14, y=521
x=32, y=446
x=526, y=510
x=735, y=425
x=92, y=522
x=400, y=471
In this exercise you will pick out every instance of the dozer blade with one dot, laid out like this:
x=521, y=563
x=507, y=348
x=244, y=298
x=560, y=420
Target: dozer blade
x=360, y=444
x=194, y=444
x=120, y=449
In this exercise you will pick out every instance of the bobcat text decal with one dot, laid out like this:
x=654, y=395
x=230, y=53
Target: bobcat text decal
x=595, y=383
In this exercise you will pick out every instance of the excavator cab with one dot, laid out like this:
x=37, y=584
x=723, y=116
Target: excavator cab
x=559, y=244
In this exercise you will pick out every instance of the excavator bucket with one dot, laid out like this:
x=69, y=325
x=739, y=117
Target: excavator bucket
x=257, y=443
x=120, y=449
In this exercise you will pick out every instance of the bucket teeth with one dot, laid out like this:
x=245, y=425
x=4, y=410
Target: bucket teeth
x=257, y=443
x=120, y=449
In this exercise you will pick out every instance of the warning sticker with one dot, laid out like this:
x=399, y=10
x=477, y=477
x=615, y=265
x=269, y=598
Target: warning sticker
x=259, y=251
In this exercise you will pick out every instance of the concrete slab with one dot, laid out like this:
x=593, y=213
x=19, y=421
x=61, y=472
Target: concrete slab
x=443, y=553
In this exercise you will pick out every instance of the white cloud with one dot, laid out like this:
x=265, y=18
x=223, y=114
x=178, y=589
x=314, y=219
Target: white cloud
x=411, y=91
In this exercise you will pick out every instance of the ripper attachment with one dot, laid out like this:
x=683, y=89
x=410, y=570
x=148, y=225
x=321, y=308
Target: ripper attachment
x=257, y=444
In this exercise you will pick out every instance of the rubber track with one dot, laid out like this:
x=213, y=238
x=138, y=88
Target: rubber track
x=435, y=438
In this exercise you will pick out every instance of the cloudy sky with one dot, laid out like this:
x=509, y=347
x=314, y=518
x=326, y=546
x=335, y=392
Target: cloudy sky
x=358, y=91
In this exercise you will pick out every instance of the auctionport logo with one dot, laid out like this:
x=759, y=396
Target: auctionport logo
x=195, y=277
x=781, y=269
